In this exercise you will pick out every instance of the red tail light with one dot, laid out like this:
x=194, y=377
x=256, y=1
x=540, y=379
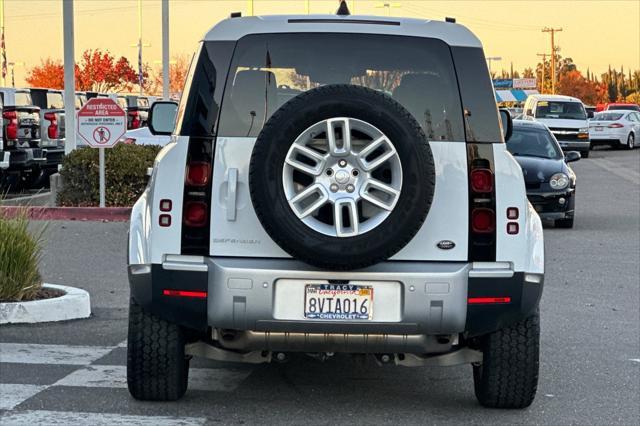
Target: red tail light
x=135, y=119
x=615, y=125
x=481, y=180
x=12, y=125
x=185, y=293
x=52, y=130
x=483, y=220
x=195, y=214
x=488, y=300
x=198, y=173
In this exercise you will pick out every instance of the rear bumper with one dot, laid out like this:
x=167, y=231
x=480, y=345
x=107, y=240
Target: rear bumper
x=53, y=156
x=415, y=299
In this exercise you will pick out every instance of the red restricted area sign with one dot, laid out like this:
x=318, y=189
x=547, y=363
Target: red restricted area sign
x=101, y=122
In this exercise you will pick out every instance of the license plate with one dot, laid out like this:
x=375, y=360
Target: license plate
x=25, y=133
x=338, y=302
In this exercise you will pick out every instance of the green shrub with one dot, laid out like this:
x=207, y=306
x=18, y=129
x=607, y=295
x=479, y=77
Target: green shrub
x=19, y=258
x=125, y=175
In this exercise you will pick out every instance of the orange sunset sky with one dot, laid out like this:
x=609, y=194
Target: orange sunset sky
x=595, y=33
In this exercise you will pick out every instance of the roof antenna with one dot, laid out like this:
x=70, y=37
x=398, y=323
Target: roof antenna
x=343, y=9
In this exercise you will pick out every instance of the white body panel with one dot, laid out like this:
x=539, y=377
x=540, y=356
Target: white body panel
x=236, y=28
x=148, y=241
x=525, y=250
x=143, y=136
x=236, y=230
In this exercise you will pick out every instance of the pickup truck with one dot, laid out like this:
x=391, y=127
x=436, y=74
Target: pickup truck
x=21, y=136
x=52, y=125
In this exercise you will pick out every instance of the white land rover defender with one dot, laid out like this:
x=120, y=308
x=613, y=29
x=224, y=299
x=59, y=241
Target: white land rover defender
x=336, y=184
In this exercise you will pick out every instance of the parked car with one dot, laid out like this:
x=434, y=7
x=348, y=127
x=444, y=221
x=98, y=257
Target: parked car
x=591, y=110
x=618, y=128
x=21, y=137
x=618, y=106
x=550, y=182
x=566, y=118
x=52, y=126
x=137, y=108
x=144, y=136
x=316, y=223
x=4, y=155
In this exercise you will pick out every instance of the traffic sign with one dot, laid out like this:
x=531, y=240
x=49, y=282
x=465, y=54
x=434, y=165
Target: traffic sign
x=101, y=122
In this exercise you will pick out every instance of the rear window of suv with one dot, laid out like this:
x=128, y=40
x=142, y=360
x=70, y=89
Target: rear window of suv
x=23, y=99
x=269, y=69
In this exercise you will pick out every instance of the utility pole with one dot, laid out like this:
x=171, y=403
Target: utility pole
x=166, y=92
x=544, y=64
x=388, y=6
x=69, y=76
x=140, y=45
x=553, y=32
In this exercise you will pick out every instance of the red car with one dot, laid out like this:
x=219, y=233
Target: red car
x=618, y=105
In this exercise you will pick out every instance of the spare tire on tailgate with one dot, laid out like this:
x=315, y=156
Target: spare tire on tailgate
x=342, y=177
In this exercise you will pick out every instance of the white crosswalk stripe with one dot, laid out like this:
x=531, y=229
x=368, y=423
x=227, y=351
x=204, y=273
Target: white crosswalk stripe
x=115, y=376
x=27, y=353
x=12, y=395
x=89, y=376
x=42, y=417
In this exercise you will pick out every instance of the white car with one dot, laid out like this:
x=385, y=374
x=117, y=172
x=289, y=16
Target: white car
x=337, y=213
x=143, y=136
x=616, y=128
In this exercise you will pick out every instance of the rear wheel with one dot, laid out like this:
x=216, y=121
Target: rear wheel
x=508, y=375
x=584, y=154
x=631, y=141
x=157, y=368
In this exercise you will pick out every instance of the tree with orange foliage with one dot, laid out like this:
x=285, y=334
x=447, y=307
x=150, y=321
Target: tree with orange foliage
x=97, y=71
x=572, y=83
x=178, y=69
x=48, y=74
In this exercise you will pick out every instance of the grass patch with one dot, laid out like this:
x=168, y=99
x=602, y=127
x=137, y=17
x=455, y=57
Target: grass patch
x=20, y=251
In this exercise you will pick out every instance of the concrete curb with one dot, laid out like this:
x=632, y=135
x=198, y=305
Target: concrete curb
x=74, y=304
x=112, y=214
x=40, y=199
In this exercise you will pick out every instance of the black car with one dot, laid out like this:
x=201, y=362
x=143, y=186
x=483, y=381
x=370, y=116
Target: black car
x=550, y=182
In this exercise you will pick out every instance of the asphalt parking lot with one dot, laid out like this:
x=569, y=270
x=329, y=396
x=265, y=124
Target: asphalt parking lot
x=73, y=373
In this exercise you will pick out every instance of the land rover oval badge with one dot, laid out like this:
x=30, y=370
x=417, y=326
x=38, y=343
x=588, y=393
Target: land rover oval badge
x=446, y=245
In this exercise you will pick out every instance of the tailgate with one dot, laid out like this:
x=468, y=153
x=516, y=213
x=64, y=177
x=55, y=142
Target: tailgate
x=28, y=123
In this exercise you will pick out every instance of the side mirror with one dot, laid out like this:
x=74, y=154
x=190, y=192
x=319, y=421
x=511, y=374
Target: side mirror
x=572, y=156
x=507, y=124
x=162, y=117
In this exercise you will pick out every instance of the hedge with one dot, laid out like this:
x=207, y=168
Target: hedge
x=125, y=175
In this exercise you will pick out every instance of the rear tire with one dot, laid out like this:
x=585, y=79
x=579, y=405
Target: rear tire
x=631, y=141
x=564, y=223
x=157, y=368
x=508, y=376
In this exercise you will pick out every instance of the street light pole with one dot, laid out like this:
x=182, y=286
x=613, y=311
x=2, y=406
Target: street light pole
x=490, y=59
x=69, y=76
x=165, y=50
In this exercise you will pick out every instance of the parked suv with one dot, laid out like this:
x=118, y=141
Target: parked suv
x=52, y=125
x=21, y=136
x=566, y=118
x=336, y=184
x=137, y=108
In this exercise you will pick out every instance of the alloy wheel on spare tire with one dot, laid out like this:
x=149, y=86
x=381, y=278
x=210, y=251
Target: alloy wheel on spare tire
x=342, y=177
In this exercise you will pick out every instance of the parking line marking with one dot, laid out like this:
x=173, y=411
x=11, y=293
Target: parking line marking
x=13, y=395
x=29, y=418
x=115, y=376
x=26, y=353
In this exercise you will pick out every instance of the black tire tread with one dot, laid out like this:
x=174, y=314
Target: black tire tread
x=157, y=369
x=508, y=377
